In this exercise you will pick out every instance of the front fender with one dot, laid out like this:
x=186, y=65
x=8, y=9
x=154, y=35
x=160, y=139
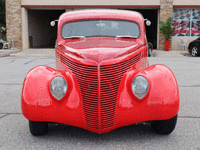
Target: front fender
x=38, y=104
x=160, y=103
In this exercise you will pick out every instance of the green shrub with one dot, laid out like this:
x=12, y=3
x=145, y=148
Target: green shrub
x=166, y=28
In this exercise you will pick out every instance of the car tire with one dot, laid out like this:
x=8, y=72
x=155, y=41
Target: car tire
x=194, y=51
x=149, y=51
x=164, y=126
x=38, y=128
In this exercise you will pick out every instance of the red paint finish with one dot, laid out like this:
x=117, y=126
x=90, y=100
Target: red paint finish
x=167, y=44
x=105, y=48
x=99, y=72
x=160, y=103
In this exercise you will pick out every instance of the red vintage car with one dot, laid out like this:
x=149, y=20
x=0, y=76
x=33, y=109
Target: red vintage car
x=102, y=79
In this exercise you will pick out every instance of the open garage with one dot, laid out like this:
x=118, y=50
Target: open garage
x=40, y=33
x=151, y=31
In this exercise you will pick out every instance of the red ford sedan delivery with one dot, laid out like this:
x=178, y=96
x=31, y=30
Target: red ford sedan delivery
x=102, y=79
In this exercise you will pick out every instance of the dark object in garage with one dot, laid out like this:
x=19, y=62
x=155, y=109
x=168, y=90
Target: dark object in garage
x=150, y=49
x=1, y=45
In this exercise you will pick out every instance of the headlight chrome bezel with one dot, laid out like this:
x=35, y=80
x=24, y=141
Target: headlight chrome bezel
x=147, y=88
x=65, y=89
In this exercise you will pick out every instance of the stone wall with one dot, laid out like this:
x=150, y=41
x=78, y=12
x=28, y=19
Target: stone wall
x=166, y=11
x=14, y=22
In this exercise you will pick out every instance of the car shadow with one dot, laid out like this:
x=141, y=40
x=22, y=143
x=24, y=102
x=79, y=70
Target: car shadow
x=134, y=132
x=187, y=54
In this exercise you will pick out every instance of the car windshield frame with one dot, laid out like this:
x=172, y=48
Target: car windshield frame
x=96, y=35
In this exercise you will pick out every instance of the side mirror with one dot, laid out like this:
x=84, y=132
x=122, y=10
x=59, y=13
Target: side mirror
x=148, y=23
x=52, y=23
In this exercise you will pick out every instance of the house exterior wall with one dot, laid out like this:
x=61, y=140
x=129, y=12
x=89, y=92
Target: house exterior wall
x=176, y=42
x=90, y=2
x=14, y=22
x=17, y=14
x=25, y=42
x=166, y=11
x=186, y=3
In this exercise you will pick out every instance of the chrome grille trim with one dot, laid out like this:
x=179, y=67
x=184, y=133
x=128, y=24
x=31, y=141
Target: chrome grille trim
x=110, y=79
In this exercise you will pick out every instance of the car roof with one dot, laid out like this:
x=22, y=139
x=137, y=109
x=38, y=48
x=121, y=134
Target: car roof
x=101, y=14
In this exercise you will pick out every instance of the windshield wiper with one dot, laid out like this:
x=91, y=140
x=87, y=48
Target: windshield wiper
x=74, y=37
x=126, y=36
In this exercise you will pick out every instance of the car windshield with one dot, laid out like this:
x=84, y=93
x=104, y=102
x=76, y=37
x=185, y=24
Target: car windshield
x=99, y=28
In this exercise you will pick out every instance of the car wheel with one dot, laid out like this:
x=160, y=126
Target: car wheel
x=164, y=126
x=149, y=51
x=194, y=51
x=38, y=128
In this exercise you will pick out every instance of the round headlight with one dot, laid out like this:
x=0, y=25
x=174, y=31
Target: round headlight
x=140, y=86
x=58, y=87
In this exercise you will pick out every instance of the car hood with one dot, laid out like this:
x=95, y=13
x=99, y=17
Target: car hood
x=100, y=49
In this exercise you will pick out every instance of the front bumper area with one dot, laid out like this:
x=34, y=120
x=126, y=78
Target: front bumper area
x=160, y=103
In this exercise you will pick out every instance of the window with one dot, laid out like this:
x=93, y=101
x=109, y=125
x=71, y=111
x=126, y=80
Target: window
x=186, y=22
x=96, y=28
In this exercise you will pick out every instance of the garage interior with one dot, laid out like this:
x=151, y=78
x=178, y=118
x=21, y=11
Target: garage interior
x=151, y=31
x=41, y=33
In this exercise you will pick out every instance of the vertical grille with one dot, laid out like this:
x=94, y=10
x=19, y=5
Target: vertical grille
x=87, y=77
x=110, y=78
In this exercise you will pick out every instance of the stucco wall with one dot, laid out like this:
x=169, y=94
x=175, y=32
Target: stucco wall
x=25, y=42
x=186, y=2
x=176, y=43
x=90, y=2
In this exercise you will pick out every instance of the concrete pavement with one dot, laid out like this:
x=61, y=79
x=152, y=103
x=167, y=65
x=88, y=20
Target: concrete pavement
x=171, y=53
x=14, y=130
x=8, y=52
x=36, y=52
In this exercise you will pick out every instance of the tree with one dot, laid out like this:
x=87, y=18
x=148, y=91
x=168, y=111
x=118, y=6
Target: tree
x=166, y=28
x=2, y=14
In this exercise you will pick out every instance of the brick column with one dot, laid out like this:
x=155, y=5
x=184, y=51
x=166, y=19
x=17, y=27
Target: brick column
x=14, y=21
x=166, y=11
